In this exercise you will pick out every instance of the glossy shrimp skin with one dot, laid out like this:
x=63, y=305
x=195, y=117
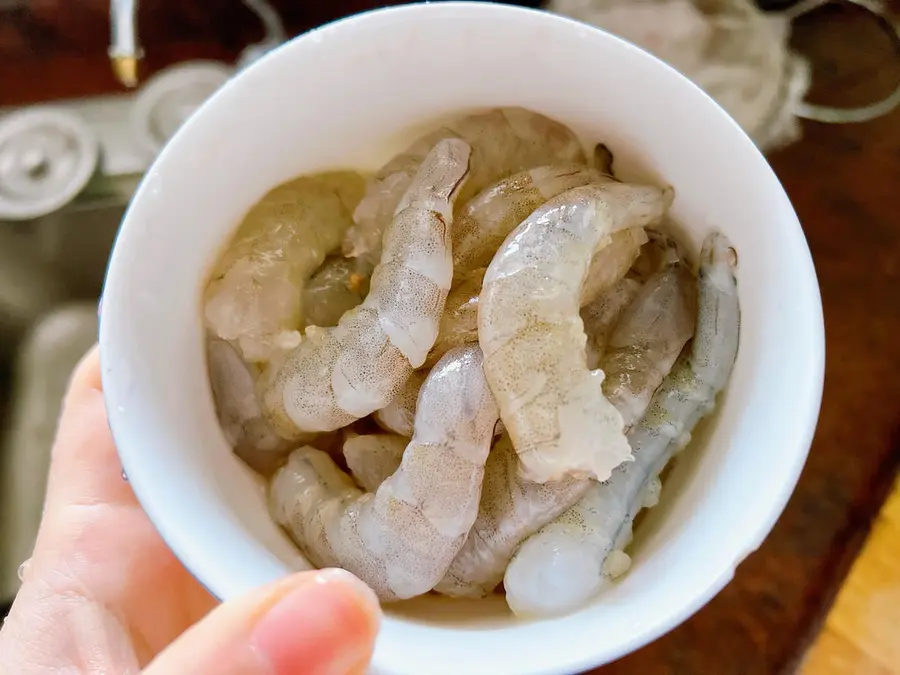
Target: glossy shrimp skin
x=399, y=415
x=459, y=322
x=254, y=298
x=504, y=141
x=372, y=458
x=510, y=510
x=533, y=339
x=332, y=291
x=612, y=262
x=568, y=561
x=648, y=338
x=401, y=539
x=234, y=393
x=340, y=374
x=486, y=220
x=602, y=314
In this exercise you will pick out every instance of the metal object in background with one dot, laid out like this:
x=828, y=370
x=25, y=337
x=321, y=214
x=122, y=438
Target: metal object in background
x=42, y=370
x=830, y=114
x=47, y=156
x=166, y=100
x=125, y=51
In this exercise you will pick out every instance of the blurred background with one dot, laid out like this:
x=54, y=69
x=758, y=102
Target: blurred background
x=90, y=92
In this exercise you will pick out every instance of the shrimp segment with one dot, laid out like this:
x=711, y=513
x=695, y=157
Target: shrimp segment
x=332, y=291
x=372, y=458
x=648, y=339
x=504, y=141
x=533, y=339
x=254, y=297
x=399, y=415
x=401, y=539
x=511, y=509
x=487, y=219
x=601, y=316
x=340, y=374
x=568, y=561
x=612, y=262
x=459, y=322
x=240, y=415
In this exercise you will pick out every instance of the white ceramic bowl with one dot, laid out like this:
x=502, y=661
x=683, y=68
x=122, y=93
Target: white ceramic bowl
x=349, y=95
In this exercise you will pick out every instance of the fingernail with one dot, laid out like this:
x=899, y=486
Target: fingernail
x=323, y=627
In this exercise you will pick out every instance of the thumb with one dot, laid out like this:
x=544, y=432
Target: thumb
x=311, y=623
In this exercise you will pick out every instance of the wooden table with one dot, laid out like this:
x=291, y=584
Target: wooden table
x=844, y=182
x=860, y=633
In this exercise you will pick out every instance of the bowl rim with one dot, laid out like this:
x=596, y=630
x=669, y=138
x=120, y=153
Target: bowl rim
x=198, y=564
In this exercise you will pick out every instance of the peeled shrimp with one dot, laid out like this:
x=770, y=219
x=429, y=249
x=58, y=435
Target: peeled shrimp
x=612, y=262
x=601, y=316
x=567, y=562
x=399, y=415
x=332, y=291
x=511, y=509
x=504, y=141
x=372, y=458
x=340, y=374
x=533, y=339
x=254, y=297
x=493, y=213
x=459, y=323
x=647, y=340
x=240, y=415
x=401, y=539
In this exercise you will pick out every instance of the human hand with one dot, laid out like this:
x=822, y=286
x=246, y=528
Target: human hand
x=103, y=594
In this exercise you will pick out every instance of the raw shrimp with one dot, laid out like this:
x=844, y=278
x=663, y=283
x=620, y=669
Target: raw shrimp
x=567, y=562
x=648, y=338
x=399, y=415
x=504, y=141
x=532, y=335
x=603, y=159
x=511, y=509
x=240, y=415
x=333, y=290
x=612, y=262
x=487, y=219
x=372, y=458
x=401, y=539
x=254, y=296
x=601, y=316
x=340, y=374
x=459, y=323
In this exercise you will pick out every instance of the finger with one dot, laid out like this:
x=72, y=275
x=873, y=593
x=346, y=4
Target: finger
x=85, y=467
x=312, y=623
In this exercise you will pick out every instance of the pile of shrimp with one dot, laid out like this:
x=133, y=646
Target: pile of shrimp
x=469, y=370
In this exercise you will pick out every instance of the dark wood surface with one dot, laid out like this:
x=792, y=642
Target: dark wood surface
x=844, y=182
